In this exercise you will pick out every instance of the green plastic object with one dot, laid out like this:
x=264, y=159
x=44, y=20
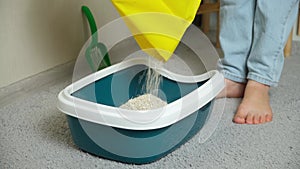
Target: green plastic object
x=96, y=53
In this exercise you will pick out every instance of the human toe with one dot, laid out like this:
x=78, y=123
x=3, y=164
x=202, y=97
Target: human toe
x=240, y=116
x=257, y=119
x=268, y=117
x=250, y=119
x=239, y=120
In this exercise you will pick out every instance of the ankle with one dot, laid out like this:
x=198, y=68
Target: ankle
x=257, y=85
x=234, y=89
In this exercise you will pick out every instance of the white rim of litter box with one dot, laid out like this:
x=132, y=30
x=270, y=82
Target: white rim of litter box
x=111, y=116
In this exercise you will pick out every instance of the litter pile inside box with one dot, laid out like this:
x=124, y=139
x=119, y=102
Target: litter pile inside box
x=144, y=102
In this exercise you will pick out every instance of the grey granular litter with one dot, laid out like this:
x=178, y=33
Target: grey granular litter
x=144, y=102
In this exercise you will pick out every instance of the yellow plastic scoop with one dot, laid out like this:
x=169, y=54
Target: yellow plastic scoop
x=157, y=25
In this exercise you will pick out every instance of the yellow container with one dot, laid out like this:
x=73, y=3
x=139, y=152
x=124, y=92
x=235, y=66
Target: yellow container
x=157, y=25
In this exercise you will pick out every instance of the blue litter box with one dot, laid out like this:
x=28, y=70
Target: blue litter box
x=100, y=127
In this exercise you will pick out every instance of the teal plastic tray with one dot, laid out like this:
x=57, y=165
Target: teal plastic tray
x=130, y=142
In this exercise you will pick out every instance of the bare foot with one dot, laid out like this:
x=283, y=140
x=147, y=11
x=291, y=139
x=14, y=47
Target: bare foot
x=232, y=89
x=255, y=107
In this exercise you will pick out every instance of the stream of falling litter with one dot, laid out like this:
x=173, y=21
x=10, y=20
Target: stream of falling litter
x=150, y=99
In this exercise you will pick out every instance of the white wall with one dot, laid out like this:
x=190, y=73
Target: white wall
x=36, y=35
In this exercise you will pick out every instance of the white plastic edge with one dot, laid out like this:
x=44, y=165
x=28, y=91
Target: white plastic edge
x=113, y=116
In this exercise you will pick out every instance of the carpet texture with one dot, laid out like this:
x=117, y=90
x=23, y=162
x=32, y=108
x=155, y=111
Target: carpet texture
x=34, y=134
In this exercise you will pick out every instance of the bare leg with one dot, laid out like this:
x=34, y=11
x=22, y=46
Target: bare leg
x=232, y=89
x=255, y=107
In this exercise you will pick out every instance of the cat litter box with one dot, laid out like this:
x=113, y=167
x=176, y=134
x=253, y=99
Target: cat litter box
x=100, y=127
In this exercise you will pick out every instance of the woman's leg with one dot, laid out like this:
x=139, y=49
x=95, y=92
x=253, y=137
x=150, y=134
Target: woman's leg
x=272, y=25
x=236, y=28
